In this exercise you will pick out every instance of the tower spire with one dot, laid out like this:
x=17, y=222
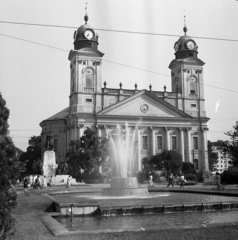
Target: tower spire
x=185, y=28
x=86, y=14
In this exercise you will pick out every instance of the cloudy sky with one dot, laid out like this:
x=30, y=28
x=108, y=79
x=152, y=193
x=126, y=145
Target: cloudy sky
x=34, y=66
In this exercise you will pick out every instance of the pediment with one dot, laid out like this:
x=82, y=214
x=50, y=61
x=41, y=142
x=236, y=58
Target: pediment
x=144, y=104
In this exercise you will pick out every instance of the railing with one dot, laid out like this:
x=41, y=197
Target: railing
x=158, y=94
x=129, y=92
x=113, y=90
x=172, y=94
x=89, y=90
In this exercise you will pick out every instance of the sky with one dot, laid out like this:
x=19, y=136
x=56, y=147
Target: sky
x=35, y=70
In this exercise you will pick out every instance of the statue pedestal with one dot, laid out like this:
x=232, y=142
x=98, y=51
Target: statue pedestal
x=49, y=164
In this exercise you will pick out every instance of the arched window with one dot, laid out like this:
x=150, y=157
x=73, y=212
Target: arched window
x=88, y=80
x=193, y=85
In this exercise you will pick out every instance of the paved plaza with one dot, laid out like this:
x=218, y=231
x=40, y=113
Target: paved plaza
x=30, y=226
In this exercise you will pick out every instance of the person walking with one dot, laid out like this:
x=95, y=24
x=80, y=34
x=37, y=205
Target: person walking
x=218, y=181
x=44, y=182
x=25, y=185
x=151, y=179
x=182, y=180
x=171, y=180
x=37, y=183
x=49, y=184
x=68, y=185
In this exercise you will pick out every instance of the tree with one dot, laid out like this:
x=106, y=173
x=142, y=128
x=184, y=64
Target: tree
x=169, y=160
x=9, y=172
x=212, y=156
x=188, y=167
x=31, y=156
x=231, y=147
x=87, y=153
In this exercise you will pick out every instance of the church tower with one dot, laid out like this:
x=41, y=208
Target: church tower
x=85, y=71
x=187, y=76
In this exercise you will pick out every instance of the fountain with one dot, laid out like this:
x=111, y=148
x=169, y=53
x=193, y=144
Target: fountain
x=125, y=199
x=124, y=144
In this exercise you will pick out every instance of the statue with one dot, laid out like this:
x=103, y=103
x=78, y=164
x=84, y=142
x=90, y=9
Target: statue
x=63, y=167
x=49, y=142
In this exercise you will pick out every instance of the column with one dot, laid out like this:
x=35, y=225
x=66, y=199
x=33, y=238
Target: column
x=81, y=130
x=188, y=147
x=67, y=137
x=139, y=149
x=99, y=132
x=167, y=138
x=152, y=142
x=204, y=160
x=181, y=147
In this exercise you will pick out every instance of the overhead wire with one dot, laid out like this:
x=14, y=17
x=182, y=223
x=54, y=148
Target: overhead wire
x=119, y=31
x=125, y=65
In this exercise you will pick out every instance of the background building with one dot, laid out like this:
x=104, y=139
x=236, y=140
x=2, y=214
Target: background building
x=222, y=163
x=166, y=120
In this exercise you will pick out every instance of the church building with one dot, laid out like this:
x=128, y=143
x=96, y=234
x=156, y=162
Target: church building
x=168, y=120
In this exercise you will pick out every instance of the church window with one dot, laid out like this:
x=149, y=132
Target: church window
x=188, y=71
x=144, y=142
x=84, y=63
x=193, y=105
x=88, y=80
x=195, y=142
x=174, y=143
x=159, y=142
x=193, y=85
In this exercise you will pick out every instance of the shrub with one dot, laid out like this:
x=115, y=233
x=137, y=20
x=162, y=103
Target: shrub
x=199, y=176
x=141, y=177
x=230, y=176
x=191, y=177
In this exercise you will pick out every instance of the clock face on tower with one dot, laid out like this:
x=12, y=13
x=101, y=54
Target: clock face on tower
x=88, y=34
x=190, y=45
x=176, y=47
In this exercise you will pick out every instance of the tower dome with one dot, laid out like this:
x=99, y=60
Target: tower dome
x=85, y=36
x=185, y=47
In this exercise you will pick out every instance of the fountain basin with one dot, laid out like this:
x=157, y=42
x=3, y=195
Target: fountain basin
x=124, y=187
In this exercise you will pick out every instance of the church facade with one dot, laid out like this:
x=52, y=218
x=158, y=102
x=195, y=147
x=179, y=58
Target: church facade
x=174, y=120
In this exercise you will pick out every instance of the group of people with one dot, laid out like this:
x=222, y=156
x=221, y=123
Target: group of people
x=181, y=180
x=171, y=180
x=36, y=183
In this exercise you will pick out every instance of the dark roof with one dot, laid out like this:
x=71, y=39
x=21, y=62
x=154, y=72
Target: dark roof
x=60, y=115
